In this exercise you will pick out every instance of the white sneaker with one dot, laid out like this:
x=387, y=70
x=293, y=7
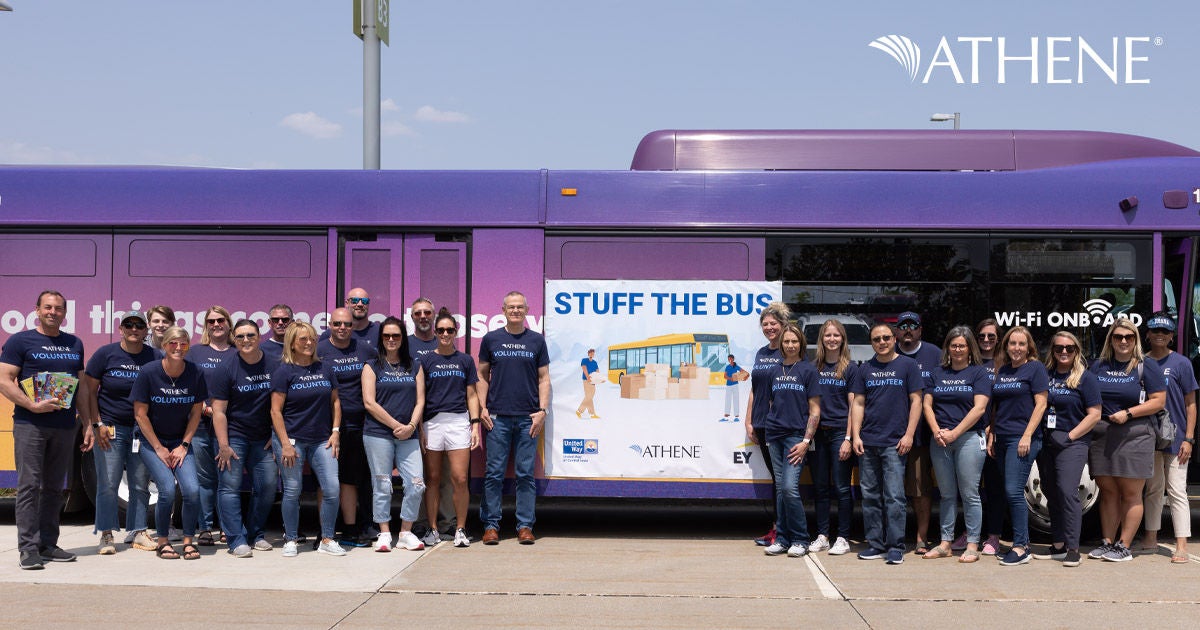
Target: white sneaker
x=820, y=544
x=797, y=550
x=409, y=541
x=840, y=546
x=290, y=549
x=383, y=542
x=431, y=538
x=331, y=547
x=775, y=549
x=461, y=539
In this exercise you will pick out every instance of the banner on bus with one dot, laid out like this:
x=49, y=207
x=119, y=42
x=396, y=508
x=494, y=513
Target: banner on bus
x=639, y=370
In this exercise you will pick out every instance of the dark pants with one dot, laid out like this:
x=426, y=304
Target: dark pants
x=760, y=434
x=823, y=460
x=43, y=458
x=1060, y=465
x=995, y=505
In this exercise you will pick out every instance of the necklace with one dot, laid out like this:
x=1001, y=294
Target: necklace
x=787, y=369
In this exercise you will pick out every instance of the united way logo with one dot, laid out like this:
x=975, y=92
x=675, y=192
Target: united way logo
x=903, y=50
x=584, y=446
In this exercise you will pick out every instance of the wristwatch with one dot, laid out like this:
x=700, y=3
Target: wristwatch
x=97, y=425
x=187, y=445
x=1189, y=440
x=806, y=441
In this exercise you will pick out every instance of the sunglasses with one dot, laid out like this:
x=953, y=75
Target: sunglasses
x=391, y=336
x=281, y=320
x=340, y=324
x=133, y=325
x=245, y=336
x=986, y=336
x=445, y=331
x=358, y=300
x=908, y=326
x=215, y=320
x=1129, y=337
x=1160, y=331
x=425, y=313
x=881, y=338
x=1068, y=349
x=177, y=344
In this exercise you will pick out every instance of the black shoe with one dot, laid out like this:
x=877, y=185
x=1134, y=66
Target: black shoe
x=1072, y=558
x=31, y=561
x=56, y=554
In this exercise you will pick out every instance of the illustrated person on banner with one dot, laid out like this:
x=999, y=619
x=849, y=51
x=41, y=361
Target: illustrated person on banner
x=734, y=374
x=590, y=371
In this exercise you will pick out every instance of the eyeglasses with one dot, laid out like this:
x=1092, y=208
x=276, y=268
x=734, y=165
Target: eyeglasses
x=1160, y=331
x=215, y=320
x=133, y=325
x=986, y=336
x=1067, y=349
x=881, y=338
x=516, y=308
x=958, y=346
x=340, y=324
x=358, y=300
x=391, y=336
x=445, y=331
x=1128, y=337
x=281, y=320
x=245, y=336
x=908, y=326
x=177, y=344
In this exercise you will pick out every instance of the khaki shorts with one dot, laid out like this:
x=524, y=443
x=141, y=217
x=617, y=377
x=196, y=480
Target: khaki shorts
x=918, y=474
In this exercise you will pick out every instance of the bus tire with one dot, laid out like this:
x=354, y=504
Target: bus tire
x=1039, y=510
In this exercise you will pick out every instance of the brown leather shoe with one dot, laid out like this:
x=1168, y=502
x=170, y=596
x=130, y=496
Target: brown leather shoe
x=491, y=537
x=525, y=536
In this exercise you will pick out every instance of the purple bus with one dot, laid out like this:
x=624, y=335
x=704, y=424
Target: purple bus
x=1047, y=229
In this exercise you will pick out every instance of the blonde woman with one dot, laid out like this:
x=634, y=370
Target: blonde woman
x=832, y=454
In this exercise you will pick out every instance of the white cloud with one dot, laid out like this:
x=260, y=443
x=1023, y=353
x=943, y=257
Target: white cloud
x=427, y=113
x=310, y=124
x=22, y=153
x=395, y=128
x=388, y=105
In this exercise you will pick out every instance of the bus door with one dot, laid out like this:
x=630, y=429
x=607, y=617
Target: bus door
x=396, y=269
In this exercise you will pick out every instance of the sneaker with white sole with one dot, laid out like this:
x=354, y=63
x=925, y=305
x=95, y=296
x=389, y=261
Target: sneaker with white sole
x=775, y=549
x=129, y=537
x=106, y=546
x=431, y=538
x=1099, y=552
x=820, y=544
x=991, y=546
x=383, y=542
x=797, y=550
x=461, y=539
x=290, y=549
x=242, y=551
x=840, y=547
x=1053, y=553
x=330, y=547
x=409, y=541
x=141, y=540
x=872, y=553
x=1118, y=552
x=895, y=556
x=262, y=545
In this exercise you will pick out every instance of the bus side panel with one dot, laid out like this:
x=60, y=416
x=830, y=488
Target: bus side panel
x=655, y=258
x=245, y=274
x=77, y=265
x=503, y=261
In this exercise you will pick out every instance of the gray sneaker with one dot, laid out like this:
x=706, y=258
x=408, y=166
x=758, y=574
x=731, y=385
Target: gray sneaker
x=431, y=538
x=242, y=551
x=1099, y=552
x=31, y=561
x=1118, y=553
x=106, y=546
x=262, y=545
x=331, y=547
x=56, y=554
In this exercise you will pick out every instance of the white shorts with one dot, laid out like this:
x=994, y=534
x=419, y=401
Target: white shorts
x=448, y=432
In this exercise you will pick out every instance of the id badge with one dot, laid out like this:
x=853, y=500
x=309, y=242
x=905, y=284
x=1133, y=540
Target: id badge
x=983, y=442
x=112, y=431
x=292, y=441
x=1051, y=419
x=135, y=445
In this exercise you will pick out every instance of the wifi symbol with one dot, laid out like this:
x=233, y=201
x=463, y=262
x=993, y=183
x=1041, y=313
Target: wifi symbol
x=1097, y=308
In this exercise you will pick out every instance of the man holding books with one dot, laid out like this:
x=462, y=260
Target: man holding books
x=44, y=426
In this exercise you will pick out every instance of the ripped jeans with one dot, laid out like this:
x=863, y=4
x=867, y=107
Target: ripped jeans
x=384, y=454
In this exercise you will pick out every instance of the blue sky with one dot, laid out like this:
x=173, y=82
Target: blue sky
x=551, y=83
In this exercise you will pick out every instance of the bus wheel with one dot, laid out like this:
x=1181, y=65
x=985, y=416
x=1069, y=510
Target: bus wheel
x=1039, y=510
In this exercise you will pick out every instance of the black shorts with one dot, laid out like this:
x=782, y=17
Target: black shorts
x=352, y=459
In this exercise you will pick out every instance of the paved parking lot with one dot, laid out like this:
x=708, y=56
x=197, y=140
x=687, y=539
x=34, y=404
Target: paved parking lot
x=590, y=568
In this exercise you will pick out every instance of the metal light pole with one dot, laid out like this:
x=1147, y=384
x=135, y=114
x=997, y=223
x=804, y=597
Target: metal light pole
x=371, y=83
x=956, y=117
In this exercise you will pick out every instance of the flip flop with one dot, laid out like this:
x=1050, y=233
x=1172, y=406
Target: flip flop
x=937, y=552
x=166, y=552
x=969, y=556
x=190, y=552
x=922, y=548
x=1180, y=559
x=205, y=539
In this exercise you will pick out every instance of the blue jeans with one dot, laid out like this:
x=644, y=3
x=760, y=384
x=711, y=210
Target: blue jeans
x=264, y=475
x=509, y=434
x=205, y=448
x=109, y=465
x=823, y=458
x=324, y=466
x=1016, y=472
x=791, y=525
x=165, y=478
x=881, y=481
x=384, y=454
x=958, y=468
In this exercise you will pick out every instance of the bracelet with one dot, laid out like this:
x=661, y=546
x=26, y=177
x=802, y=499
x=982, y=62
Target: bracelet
x=97, y=425
x=476, y=420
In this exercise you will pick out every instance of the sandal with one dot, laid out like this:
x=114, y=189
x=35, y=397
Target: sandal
x=937, y=552
x=166, y=551
x=190, y=552
x=1177, y=559
x=205, y=539
x=922, y=547
x=969, y=556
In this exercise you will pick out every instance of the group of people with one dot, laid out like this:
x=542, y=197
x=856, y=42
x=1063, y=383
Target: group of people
x=983, y=407
x=361, y=400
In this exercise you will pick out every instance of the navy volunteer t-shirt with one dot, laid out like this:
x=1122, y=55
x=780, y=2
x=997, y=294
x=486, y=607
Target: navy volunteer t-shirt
x=1120, y=389
x=1181, y=380
x=835, y=401
x=446, y=381
x=760, y=384
x=34, y=352
x=170, y=400
x=1012, y=396
x=885, y=388
x=418, y=348
x=346, y=364
x=514, y=361
x=246, y=388
x=1070, y=405
x=308, y=405
x=791, y=387
x=954, y=393
x=117, y=370
x=396, y=392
